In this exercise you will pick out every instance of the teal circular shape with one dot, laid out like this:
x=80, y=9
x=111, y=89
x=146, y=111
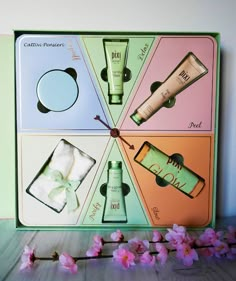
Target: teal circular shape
x=57, y=90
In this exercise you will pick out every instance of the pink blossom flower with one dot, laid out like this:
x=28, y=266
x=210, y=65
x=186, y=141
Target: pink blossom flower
x=177, y=236
x=138, y=246
x=27, y=258
x=157, y=236
x=220, y=248
x=162, y=253
x=117, y=236
x=209, y=237
x=68, y=262
x=231, y=234
x=94, y=251
x=147, y=258
x=124, y=257
x=186, y=254
x=98, y=240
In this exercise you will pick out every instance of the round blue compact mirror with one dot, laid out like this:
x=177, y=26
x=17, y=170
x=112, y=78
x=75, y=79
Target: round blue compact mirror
x=57, y=90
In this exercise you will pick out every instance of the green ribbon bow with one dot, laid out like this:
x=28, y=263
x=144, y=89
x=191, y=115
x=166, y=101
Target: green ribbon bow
x=69, y=186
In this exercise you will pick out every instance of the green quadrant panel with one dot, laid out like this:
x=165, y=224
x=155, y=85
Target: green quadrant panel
x=135, y=212
x=138, y=50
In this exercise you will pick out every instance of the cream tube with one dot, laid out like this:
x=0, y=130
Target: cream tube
x=164, y=166
x=189, y=70
x=115, y=204
x=115, y=53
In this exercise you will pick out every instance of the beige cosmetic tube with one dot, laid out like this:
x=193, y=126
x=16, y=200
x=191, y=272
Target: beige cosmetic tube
x=189, y=70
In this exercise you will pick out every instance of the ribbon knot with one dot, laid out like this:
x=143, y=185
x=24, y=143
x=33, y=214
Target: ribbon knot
x=64, y=185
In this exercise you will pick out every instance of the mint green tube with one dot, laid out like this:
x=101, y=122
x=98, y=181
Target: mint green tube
x=162, y=165
x=115, y=53
x=114, y=210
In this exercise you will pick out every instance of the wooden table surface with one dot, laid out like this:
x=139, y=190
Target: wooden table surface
x=76, y=243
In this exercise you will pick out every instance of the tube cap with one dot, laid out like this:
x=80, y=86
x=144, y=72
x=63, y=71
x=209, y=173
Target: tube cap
x=137, y=118
x=115, y=99
x=114, y=165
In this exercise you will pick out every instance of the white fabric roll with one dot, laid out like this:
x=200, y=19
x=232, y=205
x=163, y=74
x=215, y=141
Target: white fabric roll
x=72, y=163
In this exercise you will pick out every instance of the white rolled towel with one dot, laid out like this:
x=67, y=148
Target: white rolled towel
x=81, y=166
x=63, y=158
x=72, y=163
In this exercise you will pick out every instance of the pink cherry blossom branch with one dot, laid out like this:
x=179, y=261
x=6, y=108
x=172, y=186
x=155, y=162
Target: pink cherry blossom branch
x=130, y=252
x=55, y=256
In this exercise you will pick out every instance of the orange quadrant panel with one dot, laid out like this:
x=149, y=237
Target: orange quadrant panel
x=165, y=203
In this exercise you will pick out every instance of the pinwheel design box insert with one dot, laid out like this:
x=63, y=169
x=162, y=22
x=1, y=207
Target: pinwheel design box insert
x=116, y=129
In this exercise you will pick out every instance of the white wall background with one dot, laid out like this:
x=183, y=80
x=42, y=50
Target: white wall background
x=150, y=15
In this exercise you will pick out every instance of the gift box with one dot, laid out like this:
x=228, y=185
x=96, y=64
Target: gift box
x=116, y=129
